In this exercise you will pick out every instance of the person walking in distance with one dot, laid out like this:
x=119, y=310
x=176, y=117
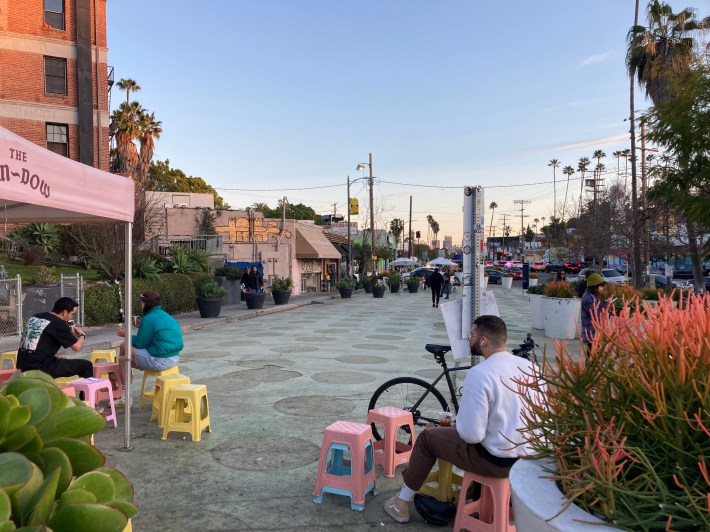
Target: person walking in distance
x=435, y=282
x=47, y=332
x=487, y=437
x=446, y=288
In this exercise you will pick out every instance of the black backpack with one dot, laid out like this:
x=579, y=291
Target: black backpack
x=433, y=511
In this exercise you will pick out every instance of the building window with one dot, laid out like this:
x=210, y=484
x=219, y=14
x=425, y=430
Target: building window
x=55, y=75
x=58, y=139
x=54, y=13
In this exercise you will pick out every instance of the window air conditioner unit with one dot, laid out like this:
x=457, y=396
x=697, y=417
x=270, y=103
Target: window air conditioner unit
x=180, y=205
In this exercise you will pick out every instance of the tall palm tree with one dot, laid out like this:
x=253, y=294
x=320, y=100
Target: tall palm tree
x=568, y=171
x=599, y=155
x=125, y=121
x=150, y=130
x=435, y=229
x=536, y=221
x=493, y=206
x=260, y=206
x=430, y=221
x=554, y=163
x=397, y=228
x=582, y=167
x=129, y=85
x=626, y=154
x=659, y=52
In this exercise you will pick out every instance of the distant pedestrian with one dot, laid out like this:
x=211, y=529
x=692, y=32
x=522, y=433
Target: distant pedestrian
x=582, y=286
x=561, y=275
x=257, y=280
x=446, y=289
x=435, y=281
x=592, y=307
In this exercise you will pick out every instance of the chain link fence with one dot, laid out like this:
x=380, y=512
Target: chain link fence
x=73, y=286
x=10, y=306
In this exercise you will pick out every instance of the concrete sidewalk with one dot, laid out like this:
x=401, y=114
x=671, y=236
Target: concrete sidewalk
x=276, y=378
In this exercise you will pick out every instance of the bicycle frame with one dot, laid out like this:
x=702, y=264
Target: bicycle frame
x=452, y=391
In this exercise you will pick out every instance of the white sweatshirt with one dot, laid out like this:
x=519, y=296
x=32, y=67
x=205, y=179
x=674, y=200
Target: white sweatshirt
x=490, y=409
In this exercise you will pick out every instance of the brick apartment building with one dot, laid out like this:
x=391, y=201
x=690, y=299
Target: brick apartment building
x=54, y=83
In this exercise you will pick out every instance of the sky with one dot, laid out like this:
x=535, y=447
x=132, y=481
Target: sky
x=271, y=98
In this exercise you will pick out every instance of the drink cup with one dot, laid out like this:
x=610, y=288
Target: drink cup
x=445, y=419
x=136, y=321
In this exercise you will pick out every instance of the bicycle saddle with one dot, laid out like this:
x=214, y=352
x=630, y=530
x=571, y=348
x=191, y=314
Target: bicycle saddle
x=437, y=350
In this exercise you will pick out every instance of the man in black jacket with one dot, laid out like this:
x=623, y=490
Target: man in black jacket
x=435, y=282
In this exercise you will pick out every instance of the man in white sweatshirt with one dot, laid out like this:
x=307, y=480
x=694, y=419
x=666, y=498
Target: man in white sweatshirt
x=486, y=439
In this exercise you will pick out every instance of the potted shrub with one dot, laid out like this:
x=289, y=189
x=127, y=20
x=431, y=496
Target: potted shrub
x=367, y=284
x=532, y=279
x=413, y=283
x=281, y=289
x=209, y=298
x=230, y=277
x=394, y=279
x=536, y=312
x=345, y=287
x=626, y=435
x=507, y=280
x=54, y=478
x=561, y=310
x=377, y=287
x=485, y=279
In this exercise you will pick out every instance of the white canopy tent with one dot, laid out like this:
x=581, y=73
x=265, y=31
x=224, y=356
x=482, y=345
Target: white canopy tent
x=402, y=261
x=441, y=261
x=37, y=185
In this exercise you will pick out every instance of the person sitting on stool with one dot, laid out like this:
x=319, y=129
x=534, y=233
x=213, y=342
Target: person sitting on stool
x=486, y=439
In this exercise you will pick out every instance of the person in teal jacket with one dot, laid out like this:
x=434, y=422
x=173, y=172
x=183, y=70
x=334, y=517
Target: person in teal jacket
x=157, y=344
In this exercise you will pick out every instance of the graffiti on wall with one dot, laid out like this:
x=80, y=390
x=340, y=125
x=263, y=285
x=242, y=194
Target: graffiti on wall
x=237, y=230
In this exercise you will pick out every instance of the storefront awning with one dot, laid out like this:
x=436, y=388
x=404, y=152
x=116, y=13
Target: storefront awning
x=313, y=244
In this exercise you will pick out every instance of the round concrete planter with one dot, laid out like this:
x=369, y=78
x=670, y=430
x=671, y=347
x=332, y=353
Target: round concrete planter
x=255, y=300
x=485, y=281
x=507, y=282
x=413, y=288
x=394, y=288
x=281, y=297
x=378, y=291
x=537, y=500
x=367, y=288
x=538, y=317
x=346, y=293
x=561, y=316
x=209, y=307
x=532, y=282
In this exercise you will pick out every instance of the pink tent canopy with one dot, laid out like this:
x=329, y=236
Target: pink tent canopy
x=37, y=185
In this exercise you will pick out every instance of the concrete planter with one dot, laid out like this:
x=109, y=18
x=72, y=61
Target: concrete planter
x=532, y=282
x=413, y=288
x=485, y=281
x=281, y=297
x=507, y=282
x=561, y=316
x=209, y=307
x=378, y=291
x=345, y=293
x=537, y=500
x=394, y=288
x=536, y=311
x=255, y=300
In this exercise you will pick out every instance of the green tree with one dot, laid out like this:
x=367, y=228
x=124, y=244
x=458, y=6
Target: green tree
x=397, y=228
x=493, y=206
x=129, y=85
x=582, y=167
x=529, y=235
x=568, y=171
x=163, y=178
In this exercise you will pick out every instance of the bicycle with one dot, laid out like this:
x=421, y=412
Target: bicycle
x=422, y=398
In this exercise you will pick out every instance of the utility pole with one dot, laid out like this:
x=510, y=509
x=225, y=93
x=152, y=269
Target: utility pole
x=635, y=237
x=409, y=253
x=504, y=226
x=335, y=211
x=372, y=220
x=522, y=204
x=644, y=219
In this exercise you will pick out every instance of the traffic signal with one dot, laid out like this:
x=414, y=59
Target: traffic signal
x=418, y=234
x=354, y=206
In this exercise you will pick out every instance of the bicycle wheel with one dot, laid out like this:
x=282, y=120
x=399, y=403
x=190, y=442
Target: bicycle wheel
x=403, y=392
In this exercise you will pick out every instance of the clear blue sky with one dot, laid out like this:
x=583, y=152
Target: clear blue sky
x=286, y=94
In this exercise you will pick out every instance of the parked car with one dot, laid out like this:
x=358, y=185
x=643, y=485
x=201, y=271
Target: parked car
x=554, y=266
x=610, y=275
x=494, y=276
x=488, y=264
x=538, y=266
x=572, y=266
x=661, y=281
x=692, y=283
x=424, y=272
x=515, y=273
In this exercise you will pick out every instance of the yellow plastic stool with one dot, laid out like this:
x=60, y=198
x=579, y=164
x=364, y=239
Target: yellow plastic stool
x=448, y=483
x=107, y=355
x=181, y=396
x=65, y=381
x=11, y=356
x=148, y=395
x=162, y=385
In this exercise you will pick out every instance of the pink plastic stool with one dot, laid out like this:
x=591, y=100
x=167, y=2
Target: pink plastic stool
x=91, y=389
x=389, y=452
x=493, y=507
x=346, y=463
x=5, y=374
x=105, y=368
x=69, y=391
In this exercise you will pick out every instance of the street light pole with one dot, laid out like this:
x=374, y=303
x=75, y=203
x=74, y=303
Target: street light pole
x=350, y=253
x=372, y=220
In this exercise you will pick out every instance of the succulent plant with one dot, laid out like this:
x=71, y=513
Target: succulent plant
x=51, y=476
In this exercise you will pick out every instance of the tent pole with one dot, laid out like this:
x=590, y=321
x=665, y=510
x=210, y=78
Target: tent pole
x=127, y=315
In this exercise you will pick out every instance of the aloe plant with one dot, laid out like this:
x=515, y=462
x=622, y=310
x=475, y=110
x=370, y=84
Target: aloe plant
x=51, y=477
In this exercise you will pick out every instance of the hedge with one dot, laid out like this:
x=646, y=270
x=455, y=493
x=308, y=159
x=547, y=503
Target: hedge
x=177, y=295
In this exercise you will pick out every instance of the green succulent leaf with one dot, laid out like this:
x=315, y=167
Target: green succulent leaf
x=56, y=459
x=39, y=403
x=15, y=472
x=72, y=423
x=13, y=400
x=32, y=448
x=83, y=456
x=123, y=489
x=5, y=506
x=127, y=508
x=37, y=374
x=98, y=483
x=21, y=499
x=33, y=457
x=18, y=439
x=42, y=504
x=17, y=387
x=77, y=496
x=84, y=518
x=7, y=526
x=19, y=416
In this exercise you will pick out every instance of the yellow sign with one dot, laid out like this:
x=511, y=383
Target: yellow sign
x=354, y=206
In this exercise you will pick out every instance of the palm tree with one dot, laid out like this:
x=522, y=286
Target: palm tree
x=536, y=221
x=149, y=131
x=493, y=206
x=129, y=85
x=599, y=155
x=582, y=167
x=435, y=230
x=555, y=164
x=658, y=53
x=397, y=228
x=430, y=221
x=568, y=171
x=260, y=206
x=125, y=122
